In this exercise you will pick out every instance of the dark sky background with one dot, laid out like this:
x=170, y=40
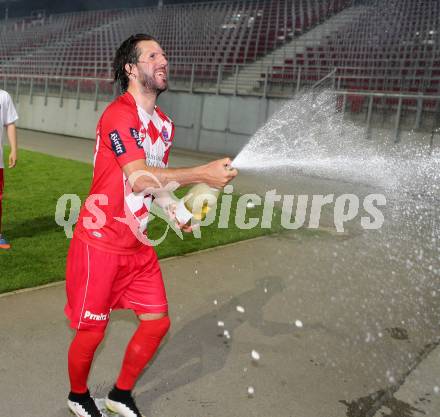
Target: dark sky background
x=24, y=7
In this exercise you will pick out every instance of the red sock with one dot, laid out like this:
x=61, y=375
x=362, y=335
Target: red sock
x=80, y=357
x=141, y=349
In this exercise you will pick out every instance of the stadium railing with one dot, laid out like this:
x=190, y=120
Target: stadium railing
x=263, y=80
x=409, y=111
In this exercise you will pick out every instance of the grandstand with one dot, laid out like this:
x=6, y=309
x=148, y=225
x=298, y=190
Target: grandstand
x=389, y=46
x=378, y=54
x=223, y=32
x=382, y=47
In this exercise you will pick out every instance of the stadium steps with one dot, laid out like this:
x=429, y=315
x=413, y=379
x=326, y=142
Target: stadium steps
x=251, y=77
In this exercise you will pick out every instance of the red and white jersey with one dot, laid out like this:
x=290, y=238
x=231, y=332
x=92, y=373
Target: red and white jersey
x=114, y=217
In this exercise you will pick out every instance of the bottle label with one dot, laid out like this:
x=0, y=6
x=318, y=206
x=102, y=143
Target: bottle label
x=183, y=215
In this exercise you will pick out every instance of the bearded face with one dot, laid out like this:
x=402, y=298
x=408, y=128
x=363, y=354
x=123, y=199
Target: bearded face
x=152, y=67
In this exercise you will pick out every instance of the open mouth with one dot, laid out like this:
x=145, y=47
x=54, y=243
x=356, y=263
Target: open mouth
x=161, y=74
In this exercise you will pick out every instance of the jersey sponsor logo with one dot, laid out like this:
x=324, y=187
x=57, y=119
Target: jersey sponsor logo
x=96, y=317
x=117, y=144
x=135, y=135
x=165, y=135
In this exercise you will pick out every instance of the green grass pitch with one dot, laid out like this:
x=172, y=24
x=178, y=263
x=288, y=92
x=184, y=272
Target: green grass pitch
x=39, y=245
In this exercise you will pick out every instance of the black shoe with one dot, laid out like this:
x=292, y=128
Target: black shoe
x=121, y=402
x=83, y=405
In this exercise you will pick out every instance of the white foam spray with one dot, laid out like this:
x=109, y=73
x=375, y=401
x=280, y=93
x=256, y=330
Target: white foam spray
x=309, y=136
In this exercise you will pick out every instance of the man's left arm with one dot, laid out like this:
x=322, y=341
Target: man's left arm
x=11, y=131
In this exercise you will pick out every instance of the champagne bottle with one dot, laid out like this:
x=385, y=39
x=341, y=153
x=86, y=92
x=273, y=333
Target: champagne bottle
x=199, y=200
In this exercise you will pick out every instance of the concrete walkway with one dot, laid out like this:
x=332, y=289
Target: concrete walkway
x=341, y=328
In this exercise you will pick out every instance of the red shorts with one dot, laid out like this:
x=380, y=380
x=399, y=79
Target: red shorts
x=98, y=282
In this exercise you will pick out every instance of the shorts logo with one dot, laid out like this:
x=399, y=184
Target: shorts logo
x=117, y=144
x=95, y=317
x=165, y=134
x=135, y=135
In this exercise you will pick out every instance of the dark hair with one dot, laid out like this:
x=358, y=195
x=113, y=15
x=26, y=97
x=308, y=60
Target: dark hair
x=127, y=53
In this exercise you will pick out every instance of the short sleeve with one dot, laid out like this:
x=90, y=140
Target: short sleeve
x=9, y=113
x=119, y=130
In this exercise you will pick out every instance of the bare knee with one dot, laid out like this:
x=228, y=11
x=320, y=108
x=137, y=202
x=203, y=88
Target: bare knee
x=154, y=324
x=152, y=316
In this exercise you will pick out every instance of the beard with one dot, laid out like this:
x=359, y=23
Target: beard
x=150, y=84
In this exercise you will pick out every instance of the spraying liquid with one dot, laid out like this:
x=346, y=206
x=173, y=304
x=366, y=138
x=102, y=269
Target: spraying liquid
x=308, y=136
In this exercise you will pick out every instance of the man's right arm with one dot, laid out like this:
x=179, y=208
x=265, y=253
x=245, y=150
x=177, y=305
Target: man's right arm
x=117, y=126
x=216, y=174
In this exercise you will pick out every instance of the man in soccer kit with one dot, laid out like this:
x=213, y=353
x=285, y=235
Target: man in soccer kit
x=8, y=117
x=110, y=264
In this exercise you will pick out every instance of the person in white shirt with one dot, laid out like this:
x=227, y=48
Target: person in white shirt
x=8, y=117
